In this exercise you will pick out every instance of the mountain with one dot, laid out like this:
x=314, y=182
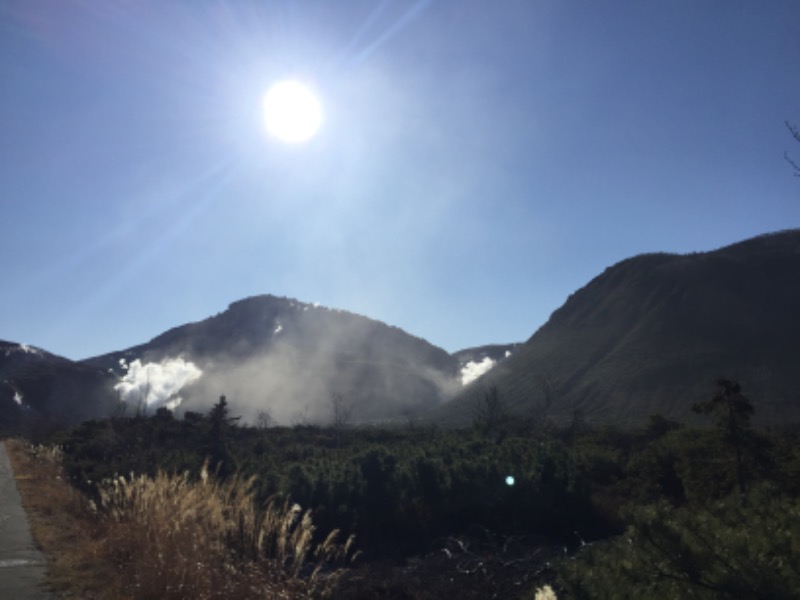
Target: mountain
x=649, y=335
x=289, y=359
x=37, y=388
x=653, y=333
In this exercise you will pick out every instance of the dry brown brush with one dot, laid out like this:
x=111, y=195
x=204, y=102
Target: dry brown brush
x=177, y=538
x=172, y=537
x=61, y=524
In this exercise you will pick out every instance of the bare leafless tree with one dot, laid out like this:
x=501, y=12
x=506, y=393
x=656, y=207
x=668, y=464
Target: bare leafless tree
x=577, y=424
x=796, y=135
x=121, y=407
x=341, y=413
x=264, y=419
x=489, y=411
x=301, y=418
x=542, y=410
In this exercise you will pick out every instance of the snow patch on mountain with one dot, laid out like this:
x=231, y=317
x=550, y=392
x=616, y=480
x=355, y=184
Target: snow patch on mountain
x=24, y=348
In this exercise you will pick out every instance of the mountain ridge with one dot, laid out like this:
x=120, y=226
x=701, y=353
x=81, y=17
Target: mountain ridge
x=653, y=332
x=295, y=356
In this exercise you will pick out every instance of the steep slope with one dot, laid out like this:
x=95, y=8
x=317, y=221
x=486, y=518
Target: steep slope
x=290, y=358
x=653, y=333
x=37, y=388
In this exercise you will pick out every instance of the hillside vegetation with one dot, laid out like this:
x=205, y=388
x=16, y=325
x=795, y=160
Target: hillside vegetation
x=500, y=508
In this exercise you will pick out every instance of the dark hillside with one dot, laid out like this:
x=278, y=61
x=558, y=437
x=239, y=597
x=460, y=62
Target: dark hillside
x=289, y=358
x=653, y=333
x=38, y=388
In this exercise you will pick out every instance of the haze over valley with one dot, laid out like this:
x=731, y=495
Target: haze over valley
x=650, y=335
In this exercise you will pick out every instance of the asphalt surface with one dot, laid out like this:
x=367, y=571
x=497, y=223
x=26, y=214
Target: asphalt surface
x=22, y=565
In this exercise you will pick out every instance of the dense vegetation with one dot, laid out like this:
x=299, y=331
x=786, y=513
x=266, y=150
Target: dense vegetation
x=662, y=511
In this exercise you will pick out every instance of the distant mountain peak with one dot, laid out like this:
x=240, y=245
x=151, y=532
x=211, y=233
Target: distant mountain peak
x=286, y=357
x=652, y=333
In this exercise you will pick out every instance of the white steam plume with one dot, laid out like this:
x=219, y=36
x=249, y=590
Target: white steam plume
x=473, y=369
x=153, y=385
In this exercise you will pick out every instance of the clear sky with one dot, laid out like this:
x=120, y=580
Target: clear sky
x=478, y=161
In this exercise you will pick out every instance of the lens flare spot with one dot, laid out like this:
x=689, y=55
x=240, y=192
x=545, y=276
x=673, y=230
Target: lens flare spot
x=510, y=480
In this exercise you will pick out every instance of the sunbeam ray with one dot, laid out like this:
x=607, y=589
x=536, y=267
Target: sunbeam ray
x=368, y=23
x=409, y=16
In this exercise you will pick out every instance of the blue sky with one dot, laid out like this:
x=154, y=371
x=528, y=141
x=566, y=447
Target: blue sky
x=478, y=161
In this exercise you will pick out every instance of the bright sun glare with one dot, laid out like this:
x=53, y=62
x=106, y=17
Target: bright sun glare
x=292, y=112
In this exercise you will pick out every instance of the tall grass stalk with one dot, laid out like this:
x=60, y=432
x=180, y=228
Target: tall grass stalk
x=173, y=537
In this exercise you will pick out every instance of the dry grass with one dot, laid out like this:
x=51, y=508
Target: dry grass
x=61, y=526
x=169, y=537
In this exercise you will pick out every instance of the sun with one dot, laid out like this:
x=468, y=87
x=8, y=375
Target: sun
x=292, y=112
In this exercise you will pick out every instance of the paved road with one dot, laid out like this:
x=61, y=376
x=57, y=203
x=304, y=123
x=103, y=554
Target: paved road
x=22, y=566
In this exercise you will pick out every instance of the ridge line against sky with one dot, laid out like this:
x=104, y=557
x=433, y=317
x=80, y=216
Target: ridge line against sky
x=477, y=162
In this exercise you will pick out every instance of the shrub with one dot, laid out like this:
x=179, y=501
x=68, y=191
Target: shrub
x=737, y=548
